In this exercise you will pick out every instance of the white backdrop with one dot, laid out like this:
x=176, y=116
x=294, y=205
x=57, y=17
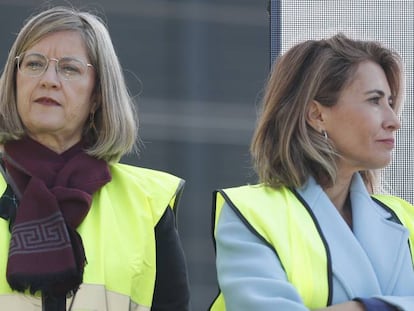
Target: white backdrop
x=388, y=21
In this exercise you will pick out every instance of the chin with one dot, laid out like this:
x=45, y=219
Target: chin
x=381, y=164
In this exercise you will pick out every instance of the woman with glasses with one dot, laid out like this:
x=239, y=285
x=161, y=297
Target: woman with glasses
x=79, y=230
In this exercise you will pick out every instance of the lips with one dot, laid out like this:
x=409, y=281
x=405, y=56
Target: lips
x=388, y=141
x=48, y=101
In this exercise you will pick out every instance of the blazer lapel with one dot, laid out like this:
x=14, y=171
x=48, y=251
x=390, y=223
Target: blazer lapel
x=366, y=260
x=351, y=267
x=383, y=240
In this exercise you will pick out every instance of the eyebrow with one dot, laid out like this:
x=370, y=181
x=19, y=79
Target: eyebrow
x=379, y=92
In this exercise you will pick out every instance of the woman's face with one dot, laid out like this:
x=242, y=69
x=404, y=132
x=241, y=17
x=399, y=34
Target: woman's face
x=52, y=109
x=362, y=124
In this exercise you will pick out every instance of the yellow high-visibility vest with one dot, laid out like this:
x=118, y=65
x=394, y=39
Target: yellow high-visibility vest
x=289, y=227
x=119, y=241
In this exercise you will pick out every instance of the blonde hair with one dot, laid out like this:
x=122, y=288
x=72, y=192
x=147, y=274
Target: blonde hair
x=115, y=120
x=285, y=149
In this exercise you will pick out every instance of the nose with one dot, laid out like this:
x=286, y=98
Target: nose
x=391, y=120
x=50, y=77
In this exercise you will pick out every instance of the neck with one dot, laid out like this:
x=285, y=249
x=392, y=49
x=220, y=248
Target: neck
x=339, y=196
x=55, y=143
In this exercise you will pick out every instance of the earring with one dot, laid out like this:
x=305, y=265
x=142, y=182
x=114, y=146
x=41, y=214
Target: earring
x=325, y=134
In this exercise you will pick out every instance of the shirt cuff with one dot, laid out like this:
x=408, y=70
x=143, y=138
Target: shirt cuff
x=375, y=304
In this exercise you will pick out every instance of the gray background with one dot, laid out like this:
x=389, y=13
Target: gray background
x=197, y=68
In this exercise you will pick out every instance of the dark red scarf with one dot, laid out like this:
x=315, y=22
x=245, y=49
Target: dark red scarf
x=46, y=253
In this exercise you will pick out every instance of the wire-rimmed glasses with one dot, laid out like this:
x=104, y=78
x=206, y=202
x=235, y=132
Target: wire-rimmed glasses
x=67, y=68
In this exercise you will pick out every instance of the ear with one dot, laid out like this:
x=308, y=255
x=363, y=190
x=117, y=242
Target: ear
x=315, y=115
x=94, y=107
x=95, y=102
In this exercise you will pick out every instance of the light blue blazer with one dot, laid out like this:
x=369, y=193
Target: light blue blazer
x=371, y=260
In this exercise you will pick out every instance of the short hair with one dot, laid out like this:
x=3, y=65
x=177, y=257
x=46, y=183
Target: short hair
x=285, y=149
x=115, y=128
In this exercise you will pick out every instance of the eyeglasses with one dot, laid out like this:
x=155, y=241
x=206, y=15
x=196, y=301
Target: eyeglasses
x=67, y=68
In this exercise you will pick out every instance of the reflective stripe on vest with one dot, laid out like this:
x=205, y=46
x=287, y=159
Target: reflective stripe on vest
x=118, y=236
x=88, y=298
x=280, y=219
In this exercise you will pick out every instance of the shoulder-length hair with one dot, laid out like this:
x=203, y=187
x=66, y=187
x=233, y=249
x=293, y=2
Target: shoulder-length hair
x=285, y=149
x=115, y=120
